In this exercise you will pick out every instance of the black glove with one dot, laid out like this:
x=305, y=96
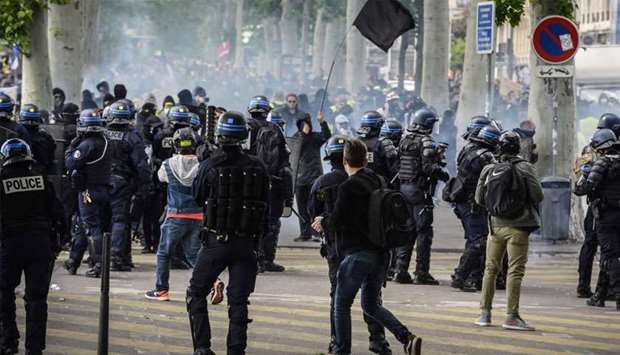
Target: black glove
x=443, y=175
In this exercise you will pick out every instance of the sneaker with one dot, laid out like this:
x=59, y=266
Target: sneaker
x=157, y=295
x=424, y=278
x=403, y=277
x=469, y=286
x=485, y=318
x=514, y=322
x=303, y=238
x=94, y=272
x=217, y=295
x=381, y=347
x=457, y=283
x=584, y=292
x=273, y=267
x=70, y=266
x=413, y=346
x=597, y=299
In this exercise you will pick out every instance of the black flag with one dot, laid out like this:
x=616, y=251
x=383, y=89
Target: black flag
x=383, y=21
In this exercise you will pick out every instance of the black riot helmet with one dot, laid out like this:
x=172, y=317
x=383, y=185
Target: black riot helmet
x=259, y=107
x=184, y=141
x=609, y=121
x=179, y=116
x=334, y=149
x=488, y=136
x=510, y=143
x=371, y=123
x=119, y=113
x=424, y=120
x=603, y=139
x=29, y=115
x=231, y=129
x=70, y=113
x=393, y=130
x=15, y=151
x=6, y=105
x=475, y=125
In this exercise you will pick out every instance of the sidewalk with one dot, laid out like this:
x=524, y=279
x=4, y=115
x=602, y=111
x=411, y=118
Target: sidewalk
x=448, y=236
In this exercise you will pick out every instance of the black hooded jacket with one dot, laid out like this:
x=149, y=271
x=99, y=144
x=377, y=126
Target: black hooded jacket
x=310, y=166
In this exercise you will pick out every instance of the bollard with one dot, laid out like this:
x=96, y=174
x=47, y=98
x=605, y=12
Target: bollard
x=104, y=301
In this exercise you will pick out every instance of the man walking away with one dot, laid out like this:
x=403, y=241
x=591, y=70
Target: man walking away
x=510, y=191
x=365, y=265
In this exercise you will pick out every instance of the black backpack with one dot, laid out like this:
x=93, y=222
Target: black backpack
x=506, y=196
x=268, y=142
x=388, y=218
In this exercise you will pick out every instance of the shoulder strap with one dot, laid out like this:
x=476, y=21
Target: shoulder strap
x=105, y=149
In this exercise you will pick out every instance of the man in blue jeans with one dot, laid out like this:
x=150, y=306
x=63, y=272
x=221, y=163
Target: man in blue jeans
x=183, y=216
x=364, y=265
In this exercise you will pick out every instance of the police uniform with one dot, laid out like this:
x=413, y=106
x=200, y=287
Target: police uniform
x=233, y=187
x=89, y=162
x=419, y=170
x=322, y=200
x=130, y=170
x=474, y=219
x=28, y=241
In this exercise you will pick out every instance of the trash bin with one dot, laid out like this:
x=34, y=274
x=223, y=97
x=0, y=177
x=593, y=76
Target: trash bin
x=555, y=208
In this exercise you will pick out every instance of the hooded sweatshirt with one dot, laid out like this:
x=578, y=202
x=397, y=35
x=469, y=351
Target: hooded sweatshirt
x=183, y=169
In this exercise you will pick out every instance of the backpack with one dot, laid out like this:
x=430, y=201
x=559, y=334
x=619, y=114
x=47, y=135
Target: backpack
x=505, y=194
x=388, y=217
x=268, y=144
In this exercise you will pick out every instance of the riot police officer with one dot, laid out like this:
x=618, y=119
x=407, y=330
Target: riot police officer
x=130, y=169
x=471, y=160
x=392, y=130
x=421, y=165
x=9, y=128
x=42, y=144
x=233, y=186
x=601, y=182
x=89, y=162
x=474, y=126
x=28, y=243
x=382, y=154
x=322, y=200
x=268, y=144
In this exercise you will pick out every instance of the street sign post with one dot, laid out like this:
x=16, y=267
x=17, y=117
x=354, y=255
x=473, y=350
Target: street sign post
x=484, y=27
x=555, y=39
x=485, y=43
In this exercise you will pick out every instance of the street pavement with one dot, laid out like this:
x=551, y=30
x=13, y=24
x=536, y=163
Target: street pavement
x=290, y=311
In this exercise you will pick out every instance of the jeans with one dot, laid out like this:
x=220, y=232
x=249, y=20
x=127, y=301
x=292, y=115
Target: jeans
x=516, y=242
x=173, y=232
x=365, y=270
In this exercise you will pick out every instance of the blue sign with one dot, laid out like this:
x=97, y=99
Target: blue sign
x=485, y=18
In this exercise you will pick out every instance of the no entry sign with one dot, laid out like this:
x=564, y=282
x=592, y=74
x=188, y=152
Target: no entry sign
x=555, y=39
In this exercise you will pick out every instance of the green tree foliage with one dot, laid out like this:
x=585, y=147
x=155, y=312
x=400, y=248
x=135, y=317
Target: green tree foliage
x=16, y=17
x=457, y=54
x=511, y=11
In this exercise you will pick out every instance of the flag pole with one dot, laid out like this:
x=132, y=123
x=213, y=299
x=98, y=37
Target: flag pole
x=331, y=69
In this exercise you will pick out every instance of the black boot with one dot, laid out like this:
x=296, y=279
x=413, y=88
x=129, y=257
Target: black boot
x=203, y=351
x=273, y=267
x=424, y=278
x=94, y=272
x=598, y=299
x=71, y=266
x=470, y=286
x=119, y=265
x=403, y=277
x=584, y=292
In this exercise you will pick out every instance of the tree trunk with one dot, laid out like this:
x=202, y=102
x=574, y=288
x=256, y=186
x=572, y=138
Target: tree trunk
x=333, y=36
x=239, y=59
x=436, y=54
x=288, y=28
x=36, y=80
x=305, y=24
x=268, y=47
x=318, y=45
x=90, y=22
x=474, y=85
x=355, y=76
x=554, y=138
x=65, y=50
x=419, y=47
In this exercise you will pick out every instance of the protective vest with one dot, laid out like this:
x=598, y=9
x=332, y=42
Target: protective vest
x=41, y=145
x=236, y=205
x=180, y=198
x=609, y=189
x=470, y=163
x=24, y=199
x=98, y=169
x=411, y=148
x=120, y=151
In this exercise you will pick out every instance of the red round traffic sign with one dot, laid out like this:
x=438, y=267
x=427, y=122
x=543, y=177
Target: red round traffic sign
x=555, y=39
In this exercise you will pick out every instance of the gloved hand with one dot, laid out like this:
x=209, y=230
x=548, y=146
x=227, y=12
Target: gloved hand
x=75, y=142
x=586, y=169
x=443, y=175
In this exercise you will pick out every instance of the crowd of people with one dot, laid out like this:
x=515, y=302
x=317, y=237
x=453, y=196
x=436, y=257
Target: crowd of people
x=205, y=188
